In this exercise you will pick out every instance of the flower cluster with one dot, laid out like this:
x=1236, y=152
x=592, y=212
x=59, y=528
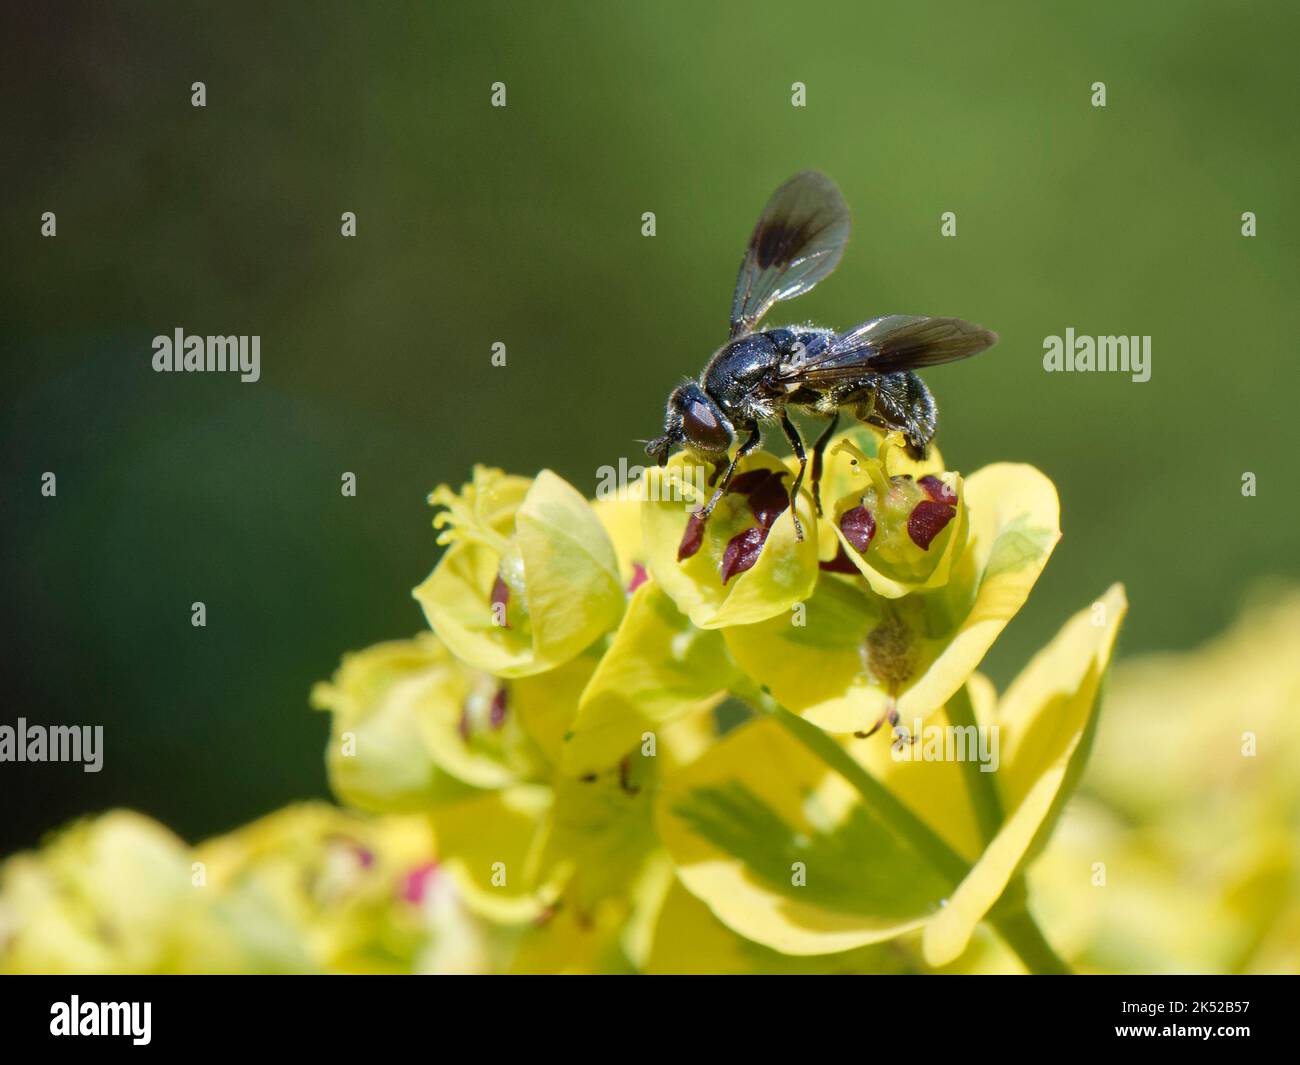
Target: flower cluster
x=636, y=740
x=645, y=741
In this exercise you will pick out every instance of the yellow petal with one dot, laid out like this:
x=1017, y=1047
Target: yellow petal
x=1045, y=722
x=398, y=738
x=600, y=834
x=547, y=703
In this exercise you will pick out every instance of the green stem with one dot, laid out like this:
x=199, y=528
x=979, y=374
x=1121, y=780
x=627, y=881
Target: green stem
x=1022, y=934
x=985, y=799
x=1012, y=921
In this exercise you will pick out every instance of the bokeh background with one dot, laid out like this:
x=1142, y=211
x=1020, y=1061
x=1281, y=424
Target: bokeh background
x=523, y=225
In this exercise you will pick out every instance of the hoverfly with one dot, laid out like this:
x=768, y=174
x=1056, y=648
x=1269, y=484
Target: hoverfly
x=756, y=376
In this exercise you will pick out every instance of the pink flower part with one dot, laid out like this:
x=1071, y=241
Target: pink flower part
x=416, y=882
x=639, y=575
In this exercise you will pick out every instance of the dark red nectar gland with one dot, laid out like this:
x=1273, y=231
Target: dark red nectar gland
x=923, y=508
x=742, y=552
x=937, y=490
x=767, y=499
x=859, y=527
x=841, y=563
x=692, y=538
x=927, y=520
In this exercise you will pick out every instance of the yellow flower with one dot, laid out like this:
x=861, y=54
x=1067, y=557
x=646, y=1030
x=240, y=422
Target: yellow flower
x=413, y=726
x=745, y=564
x=855, y=655
x=530, y=579
x=903, y=521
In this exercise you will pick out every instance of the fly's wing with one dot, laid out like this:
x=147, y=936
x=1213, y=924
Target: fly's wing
x=798, y=240
x=890, y=344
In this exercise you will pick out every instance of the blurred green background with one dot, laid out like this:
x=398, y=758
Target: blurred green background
x=522, y=225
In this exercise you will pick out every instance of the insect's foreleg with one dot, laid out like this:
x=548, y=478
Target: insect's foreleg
x=755, y=435
x=819, y=449
x=796, y=443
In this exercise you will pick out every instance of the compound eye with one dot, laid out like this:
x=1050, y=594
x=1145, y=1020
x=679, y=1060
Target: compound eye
x=702, y=429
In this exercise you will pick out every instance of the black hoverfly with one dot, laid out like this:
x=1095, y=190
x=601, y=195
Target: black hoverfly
x=756, y=376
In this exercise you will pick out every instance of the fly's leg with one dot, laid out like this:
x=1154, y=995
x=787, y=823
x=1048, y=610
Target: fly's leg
x=755, y=435
x=796, y=442
x=819, y=449
x=901, y=735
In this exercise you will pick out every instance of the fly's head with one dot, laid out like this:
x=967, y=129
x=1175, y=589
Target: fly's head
x=693, y=419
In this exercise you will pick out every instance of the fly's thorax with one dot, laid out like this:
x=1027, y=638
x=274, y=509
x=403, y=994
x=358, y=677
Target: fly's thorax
x=795, y=342
x=739, y=367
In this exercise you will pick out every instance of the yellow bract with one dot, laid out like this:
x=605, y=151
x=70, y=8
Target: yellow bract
x=1045, y=721
x=796, y=861
x=658, y=669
